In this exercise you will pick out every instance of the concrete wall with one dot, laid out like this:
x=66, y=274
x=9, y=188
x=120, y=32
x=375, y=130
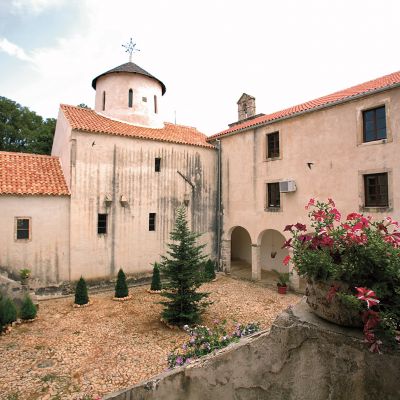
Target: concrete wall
x=301, y=358
x=46, y=254
x=117, y=166
x=332, y=140
x=117, y=85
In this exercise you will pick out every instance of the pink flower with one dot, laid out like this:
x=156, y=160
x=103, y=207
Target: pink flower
x=301, y=227
x=332, y=292
x=286, y=260
x=367, y=295
x=287, y=243
x=311, y=202
x=288, y=228
x=336, y=214
x=331, y=202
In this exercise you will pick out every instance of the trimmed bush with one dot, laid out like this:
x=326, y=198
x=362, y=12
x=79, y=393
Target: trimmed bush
x=156, y=279
x=121, y=288
x=209, y=271
x=28, y=309
x=81, y=293
x=9, y=312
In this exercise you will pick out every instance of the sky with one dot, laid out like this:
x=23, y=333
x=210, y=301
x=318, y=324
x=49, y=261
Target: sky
x=207, y=52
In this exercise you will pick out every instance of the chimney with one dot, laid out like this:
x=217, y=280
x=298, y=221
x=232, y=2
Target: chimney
x=246, y=107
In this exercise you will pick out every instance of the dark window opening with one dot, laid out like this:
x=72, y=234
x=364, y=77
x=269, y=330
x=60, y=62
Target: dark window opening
x=273, y=145
x=23, y=228
x=155, y=105
x=144, y=99
x=104, y=101
x=130, y=98
x=102, y=224
x=274, y=196
x=152, y=221
x=376, y=190
x=374, y=124
x=157, y=164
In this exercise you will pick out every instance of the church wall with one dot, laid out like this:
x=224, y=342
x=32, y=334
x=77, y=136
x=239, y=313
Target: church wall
x=115, y=166
x=46, y=253
x=330, y=139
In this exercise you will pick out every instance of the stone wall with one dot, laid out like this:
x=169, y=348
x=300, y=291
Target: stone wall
x=300, y=358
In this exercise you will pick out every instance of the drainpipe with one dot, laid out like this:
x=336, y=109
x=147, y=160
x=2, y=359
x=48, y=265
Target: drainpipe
x=219, y=206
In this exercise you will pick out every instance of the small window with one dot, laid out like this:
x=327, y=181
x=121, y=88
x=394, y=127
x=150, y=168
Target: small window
x=104, y=101
x=144, y=99
x=152, y=221
x=273, y=145
x=274, y=196
x=155, y=105
x=102, y=224
x=23, y=229
x=130, y=98
x=376, y=190
x=374, y=124
x=157, y=164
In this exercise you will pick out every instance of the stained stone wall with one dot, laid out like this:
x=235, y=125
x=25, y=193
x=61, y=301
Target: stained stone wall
x=300, y=358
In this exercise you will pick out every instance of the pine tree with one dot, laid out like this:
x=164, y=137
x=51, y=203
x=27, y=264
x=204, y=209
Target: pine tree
x=181, y=271
x=209, y=270
x=121, y=288
x=28, y=309
x=81, y=293
x=9, y=311
x=156, y=280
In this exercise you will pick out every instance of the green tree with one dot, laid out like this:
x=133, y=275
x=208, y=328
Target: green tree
x=121, y=288
x=23, y=130
x=81, y=292
x=9, y=311
x=156, y=279
x=209, y=270
x=28, y=309
x=181, y=271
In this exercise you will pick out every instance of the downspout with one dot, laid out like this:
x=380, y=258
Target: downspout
x=219, y=206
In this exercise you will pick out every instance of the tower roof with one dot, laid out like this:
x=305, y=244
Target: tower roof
x=132, y=68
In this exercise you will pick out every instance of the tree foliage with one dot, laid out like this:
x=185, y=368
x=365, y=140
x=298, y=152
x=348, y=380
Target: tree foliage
x=9, y=311
x=81, y=292
x=181, y=271
x=156, y=279
x=121, y=288
x=28, y=309
x=22, y=130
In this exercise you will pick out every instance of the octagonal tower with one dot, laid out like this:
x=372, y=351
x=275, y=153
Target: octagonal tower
x=130, y=94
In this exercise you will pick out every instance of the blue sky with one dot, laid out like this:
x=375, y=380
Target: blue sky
x=207, y=53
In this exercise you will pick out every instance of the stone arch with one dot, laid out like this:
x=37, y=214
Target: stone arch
x=271, y=252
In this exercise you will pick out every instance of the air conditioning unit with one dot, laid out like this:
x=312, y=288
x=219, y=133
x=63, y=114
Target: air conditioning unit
x=287, y=186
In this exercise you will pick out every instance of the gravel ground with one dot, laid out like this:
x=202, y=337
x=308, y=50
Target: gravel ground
x=70, y=353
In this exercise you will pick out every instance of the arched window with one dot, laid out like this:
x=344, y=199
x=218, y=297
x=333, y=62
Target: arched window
x=104, y=100
x=155, y=105
x=130, y=98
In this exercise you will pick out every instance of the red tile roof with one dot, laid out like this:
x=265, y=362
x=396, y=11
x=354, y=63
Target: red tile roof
x=369, y=87
x=89, y=121
x=32, y=174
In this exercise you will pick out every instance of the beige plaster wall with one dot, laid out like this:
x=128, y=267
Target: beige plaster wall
x=119, y=166
x=46, y=254
x=272, y=241
x=331, y=139
x=117, y=87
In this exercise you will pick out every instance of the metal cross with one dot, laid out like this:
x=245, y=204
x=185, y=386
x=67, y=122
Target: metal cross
x=130, y=48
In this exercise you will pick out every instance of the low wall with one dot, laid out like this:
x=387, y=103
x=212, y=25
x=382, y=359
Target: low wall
x=300, y=358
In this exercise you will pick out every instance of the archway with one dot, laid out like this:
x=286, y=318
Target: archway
x=241, y=252
x=271, y=252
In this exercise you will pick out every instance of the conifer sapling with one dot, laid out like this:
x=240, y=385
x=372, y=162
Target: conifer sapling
x=9, y=312
x=156, y=279
x=121, y=288
x=28, y=309
x=81, y=292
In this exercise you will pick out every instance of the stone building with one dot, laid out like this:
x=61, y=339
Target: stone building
x=106, y=197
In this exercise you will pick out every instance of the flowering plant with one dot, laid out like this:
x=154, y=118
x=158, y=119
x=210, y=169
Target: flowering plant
x=358, y=251
x=204, y=340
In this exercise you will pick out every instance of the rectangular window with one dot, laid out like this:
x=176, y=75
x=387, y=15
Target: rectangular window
x=376, y=190
x=273, y=145
x=102, y=224
x=374, y=124
x=157, y=164
x=155, y=105
x=23, y=228
x=152, y=221
x=274, y=196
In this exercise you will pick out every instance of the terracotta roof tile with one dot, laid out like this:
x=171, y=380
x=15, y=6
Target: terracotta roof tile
x=89, y=121
x=31, y=174
x=368, y=87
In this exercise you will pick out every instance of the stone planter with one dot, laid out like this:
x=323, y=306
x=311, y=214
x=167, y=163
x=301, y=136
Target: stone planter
x=331, y=309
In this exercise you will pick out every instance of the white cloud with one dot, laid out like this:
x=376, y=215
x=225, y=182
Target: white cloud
x=14, y=50
x=35, y=6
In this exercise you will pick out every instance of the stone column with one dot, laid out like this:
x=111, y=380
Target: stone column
x=226, y=255
x=255, y=262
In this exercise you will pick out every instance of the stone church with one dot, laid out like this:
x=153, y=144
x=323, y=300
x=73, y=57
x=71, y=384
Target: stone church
x=106, y=197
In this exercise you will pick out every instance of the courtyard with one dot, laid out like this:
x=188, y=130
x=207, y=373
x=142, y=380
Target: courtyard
x=70, y=353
